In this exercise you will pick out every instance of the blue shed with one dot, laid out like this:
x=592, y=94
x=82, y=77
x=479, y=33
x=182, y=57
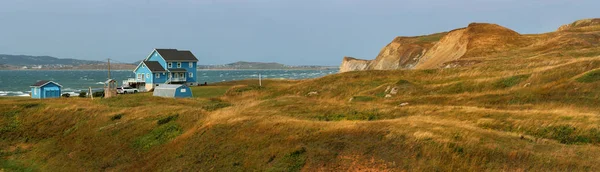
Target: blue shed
x=172, y=91
x=45, y=89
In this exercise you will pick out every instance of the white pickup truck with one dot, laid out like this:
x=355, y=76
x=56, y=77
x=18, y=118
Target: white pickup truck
x=125, y=90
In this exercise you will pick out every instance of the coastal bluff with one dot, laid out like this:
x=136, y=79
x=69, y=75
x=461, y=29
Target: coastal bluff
x=475, y=43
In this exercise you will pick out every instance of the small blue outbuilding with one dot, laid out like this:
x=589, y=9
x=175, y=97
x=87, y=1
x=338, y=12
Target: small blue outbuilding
x=172, y=91
x=45, y=89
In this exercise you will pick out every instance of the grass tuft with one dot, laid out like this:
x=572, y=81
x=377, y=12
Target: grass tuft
x=158, y=136
x=215, y=104
x=590, y=77
x=167, y=119
x=510, y=81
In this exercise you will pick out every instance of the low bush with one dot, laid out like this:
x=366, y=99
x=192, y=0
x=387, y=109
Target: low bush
x=510, y=81
x=589, y=77
x=30, y=105
x=293, y=161
x=116, y=117
x=215, y=104
x=167, y=119
x=158, y=136
x=82, y=94
x=98, y=94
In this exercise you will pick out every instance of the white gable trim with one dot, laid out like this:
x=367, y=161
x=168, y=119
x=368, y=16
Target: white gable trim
x=138, y=66
x=150, y=55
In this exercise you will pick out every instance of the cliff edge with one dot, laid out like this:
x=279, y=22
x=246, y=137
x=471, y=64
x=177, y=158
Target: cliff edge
x=477, y=41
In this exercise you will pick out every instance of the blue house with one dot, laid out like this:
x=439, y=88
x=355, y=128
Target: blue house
x=165, y=66
x=45, y=89
x=172, y=91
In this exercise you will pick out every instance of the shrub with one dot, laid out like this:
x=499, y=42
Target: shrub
x=82, y=94
x=66, y=95
x=510, y=81
x=30, y=105
x=116, y=117
x=167, y=119
x=98, y=94
x=158, y=136
x=215, y=104
x=589, y=77
x=293, y=161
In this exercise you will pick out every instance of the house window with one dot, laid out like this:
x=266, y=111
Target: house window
x=183, y=90
x=143, y=66
x=170, y=65
x=148, y=75
x=191, y=74
x=179, y=65
x=35, y=91
x=191, y=65
x=157, y=75
x=140, y=76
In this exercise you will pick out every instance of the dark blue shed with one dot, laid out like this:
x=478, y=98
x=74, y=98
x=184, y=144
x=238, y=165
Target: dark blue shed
x=45, y=89
x=172, y=91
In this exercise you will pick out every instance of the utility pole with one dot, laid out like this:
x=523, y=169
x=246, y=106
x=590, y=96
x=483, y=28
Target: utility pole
x=259, y=80
x=109, y=68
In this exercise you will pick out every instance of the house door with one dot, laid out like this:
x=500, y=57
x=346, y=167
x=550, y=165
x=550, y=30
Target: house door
x=49, y=93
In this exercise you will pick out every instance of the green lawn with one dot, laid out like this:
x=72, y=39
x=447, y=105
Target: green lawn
x=209, y=91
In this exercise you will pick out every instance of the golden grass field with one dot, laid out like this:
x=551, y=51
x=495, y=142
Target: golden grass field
x=517, y=110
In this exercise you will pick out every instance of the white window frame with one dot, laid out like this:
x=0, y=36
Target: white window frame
x=35, y=91
x=143, y=66
x=140, y=76
x=183, y=90
x=170, y=65
x=191, y=74
x=148, y=75
x=157, y=75
x=178, y=64
x=191, y=64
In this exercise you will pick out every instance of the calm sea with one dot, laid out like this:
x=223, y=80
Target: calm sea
x=17, y=82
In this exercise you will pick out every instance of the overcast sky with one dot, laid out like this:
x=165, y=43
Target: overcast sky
x=298, y=32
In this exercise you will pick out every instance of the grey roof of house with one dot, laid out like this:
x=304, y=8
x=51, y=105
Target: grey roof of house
x=154, y=66
x=176, y=55
x=44, y=82
x=40, y=83
x=178, y=70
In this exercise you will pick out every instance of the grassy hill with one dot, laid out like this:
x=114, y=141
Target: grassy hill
x=25, y=60
x=523, y=109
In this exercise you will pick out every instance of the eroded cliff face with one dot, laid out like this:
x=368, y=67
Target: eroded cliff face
x=353, y=64
x=581, y=25
x=433, y=51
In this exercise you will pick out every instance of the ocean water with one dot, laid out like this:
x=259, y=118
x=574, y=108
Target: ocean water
x=17, y=82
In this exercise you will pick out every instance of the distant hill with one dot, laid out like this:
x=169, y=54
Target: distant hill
x=12, y=62
x=25, y=60
x=259, y=65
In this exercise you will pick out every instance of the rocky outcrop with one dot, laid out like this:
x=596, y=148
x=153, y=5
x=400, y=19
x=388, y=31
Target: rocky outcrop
x=353, y=64
x=433, y=51
x=581, y=24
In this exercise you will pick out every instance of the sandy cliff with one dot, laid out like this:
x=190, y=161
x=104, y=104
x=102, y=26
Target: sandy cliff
x=477, y=41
